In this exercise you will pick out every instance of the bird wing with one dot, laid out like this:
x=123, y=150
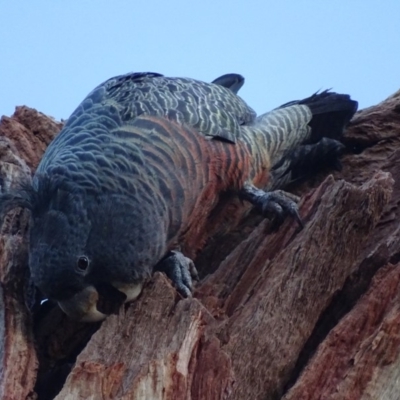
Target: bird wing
x=213, y=109
x=233, y=82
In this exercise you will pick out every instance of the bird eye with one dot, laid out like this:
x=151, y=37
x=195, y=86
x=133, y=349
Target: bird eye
x=82, y=263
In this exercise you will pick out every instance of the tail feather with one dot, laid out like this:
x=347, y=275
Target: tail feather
x=331, y=112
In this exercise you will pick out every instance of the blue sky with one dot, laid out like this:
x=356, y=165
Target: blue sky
x=53, y=53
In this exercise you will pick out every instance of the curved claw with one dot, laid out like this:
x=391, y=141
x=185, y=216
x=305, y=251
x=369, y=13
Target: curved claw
x=180, y=270
x=275, y=205
x=288, y=203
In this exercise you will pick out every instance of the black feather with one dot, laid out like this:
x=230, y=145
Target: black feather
x=331, y=112
x=22, y=196
x=233, y=82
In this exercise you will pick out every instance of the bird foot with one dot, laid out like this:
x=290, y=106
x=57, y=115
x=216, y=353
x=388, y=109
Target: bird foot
x=275, y=205
x=180, y=270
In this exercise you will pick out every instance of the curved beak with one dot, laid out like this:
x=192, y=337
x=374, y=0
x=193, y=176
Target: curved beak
x=83, y=306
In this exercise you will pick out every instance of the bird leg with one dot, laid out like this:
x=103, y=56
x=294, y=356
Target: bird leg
x=308, y=158
x=275, y=205
x=180, y=270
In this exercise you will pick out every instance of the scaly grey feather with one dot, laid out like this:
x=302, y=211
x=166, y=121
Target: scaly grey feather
x=132, y=175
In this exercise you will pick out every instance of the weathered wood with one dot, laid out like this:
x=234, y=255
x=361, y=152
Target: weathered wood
x=311, y=314
x=359, y=359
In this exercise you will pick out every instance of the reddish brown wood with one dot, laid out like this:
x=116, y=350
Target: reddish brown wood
x=360, y=356
x=311, y=314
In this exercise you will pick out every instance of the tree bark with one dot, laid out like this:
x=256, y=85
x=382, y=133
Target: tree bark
x=292, y=314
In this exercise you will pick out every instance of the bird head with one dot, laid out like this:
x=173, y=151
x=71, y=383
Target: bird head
x=83, y=248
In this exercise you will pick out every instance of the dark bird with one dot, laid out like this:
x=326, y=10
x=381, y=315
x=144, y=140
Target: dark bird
x=140, y=165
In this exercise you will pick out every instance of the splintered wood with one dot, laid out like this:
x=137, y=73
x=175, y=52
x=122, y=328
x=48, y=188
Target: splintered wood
x=307, y=314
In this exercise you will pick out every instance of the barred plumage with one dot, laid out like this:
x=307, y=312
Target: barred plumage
x=139, y=167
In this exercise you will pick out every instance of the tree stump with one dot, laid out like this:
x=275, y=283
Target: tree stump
x=293, y=314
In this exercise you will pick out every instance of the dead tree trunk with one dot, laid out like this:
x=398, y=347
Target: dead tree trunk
x=311, y=314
